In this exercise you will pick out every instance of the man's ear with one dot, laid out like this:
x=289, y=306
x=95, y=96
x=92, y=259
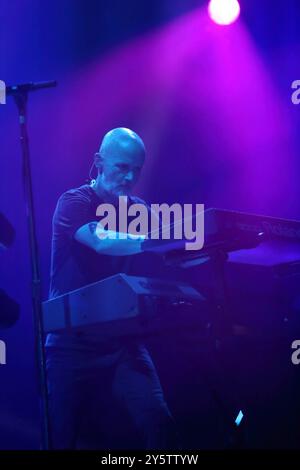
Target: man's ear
x=98, y=161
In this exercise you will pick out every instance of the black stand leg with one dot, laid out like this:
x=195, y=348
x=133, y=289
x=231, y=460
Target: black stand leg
x=21, y=101
x=223, y=329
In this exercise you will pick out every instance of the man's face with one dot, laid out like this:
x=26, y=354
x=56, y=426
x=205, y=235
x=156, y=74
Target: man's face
x=121, y=170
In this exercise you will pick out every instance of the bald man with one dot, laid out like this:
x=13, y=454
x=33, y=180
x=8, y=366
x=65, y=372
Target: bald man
x=80, y=366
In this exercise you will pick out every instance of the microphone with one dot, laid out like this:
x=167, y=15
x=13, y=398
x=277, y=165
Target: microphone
x=31, y=86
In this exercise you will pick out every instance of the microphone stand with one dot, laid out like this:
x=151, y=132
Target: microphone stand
x=20, y=95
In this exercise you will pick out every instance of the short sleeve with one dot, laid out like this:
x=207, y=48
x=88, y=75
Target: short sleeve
x=71, y=213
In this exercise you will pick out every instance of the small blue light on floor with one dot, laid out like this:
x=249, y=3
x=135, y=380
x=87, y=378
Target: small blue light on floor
x=239, y=418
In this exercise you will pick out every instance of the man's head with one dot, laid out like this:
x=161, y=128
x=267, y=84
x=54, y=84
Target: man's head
x=119, y=161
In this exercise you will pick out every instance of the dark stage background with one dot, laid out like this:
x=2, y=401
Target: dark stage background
x=213, y=105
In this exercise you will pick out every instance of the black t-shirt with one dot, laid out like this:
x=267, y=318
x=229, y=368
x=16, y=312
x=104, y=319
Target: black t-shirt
x=74, y=265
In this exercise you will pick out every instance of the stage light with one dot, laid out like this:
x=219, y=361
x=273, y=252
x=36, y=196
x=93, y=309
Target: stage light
x=224, y=12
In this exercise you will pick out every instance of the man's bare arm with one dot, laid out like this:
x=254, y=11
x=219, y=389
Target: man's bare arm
x=90, y=235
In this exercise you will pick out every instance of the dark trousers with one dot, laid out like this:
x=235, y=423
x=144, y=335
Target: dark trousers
x=132, y=381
